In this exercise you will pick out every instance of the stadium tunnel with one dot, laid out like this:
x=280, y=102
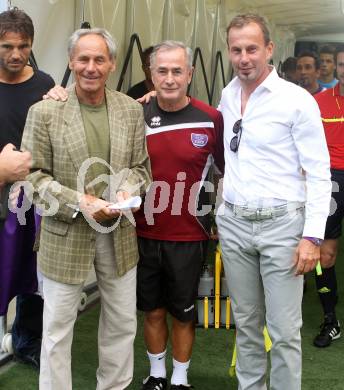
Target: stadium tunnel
x=200, y=24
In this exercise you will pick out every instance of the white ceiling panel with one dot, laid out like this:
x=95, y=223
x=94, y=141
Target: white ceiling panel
x=303, y=17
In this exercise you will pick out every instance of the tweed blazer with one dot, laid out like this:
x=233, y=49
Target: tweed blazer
x=54, y=134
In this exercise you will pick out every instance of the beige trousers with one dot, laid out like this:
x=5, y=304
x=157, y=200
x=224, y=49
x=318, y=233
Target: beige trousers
x=116, y=332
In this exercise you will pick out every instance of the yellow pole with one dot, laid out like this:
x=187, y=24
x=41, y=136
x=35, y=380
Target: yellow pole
x=228, y=313
x=218, y=265
x=206, y=317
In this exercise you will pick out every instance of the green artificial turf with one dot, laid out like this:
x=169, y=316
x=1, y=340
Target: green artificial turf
x=322, y=368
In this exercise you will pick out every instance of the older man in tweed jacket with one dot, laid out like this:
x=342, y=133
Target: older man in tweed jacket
x=78, y=227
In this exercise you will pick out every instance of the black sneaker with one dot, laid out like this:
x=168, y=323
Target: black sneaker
x=152, y=383
x=181, y=387
x=329, y=330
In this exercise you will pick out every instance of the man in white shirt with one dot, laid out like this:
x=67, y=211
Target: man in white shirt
x=270, y=227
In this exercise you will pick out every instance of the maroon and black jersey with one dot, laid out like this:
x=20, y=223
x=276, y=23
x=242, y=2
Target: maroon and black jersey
x=182, y=146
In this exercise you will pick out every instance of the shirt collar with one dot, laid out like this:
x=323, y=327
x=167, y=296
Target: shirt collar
x=335, y=90
x=270, y=82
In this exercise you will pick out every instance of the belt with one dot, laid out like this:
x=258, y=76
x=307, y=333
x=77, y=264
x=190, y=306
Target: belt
x=259, y=214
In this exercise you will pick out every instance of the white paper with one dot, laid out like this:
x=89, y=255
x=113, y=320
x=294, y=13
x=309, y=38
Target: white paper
x=126, y=204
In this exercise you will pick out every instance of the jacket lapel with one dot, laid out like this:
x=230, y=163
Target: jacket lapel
x=74, y=136
x=118, y=142
x=115, y=126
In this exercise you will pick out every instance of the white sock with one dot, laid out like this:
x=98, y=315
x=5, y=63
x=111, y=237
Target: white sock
x=157, y=364
x=180, y=373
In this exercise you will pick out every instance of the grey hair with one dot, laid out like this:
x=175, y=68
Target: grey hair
x=110, y=43
x=171, y=45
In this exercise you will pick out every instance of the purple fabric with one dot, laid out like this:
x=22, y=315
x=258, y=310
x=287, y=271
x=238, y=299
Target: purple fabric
x=17, y=260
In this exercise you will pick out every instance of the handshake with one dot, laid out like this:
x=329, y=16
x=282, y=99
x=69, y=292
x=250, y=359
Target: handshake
x=14, y=165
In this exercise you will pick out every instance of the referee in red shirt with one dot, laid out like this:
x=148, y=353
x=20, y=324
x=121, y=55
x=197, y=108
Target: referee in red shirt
x=331, y=104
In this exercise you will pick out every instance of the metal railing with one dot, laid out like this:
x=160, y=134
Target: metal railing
x=68, y=71
x=198, y=57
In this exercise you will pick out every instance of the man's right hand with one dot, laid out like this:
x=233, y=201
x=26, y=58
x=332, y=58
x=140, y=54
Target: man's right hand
x=57, y=93
x=97, y=209
x=14, y=165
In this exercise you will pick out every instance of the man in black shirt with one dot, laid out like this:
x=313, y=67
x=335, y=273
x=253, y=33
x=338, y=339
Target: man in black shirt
x=20, y=87
x=146, y=85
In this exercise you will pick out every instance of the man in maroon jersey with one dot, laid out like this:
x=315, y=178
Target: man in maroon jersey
x=184, y=138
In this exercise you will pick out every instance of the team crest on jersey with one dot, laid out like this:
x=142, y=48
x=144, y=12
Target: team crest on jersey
x=199, y=140
x=155, y=121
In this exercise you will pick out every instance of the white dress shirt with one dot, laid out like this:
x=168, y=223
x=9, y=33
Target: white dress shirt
x=282, y=150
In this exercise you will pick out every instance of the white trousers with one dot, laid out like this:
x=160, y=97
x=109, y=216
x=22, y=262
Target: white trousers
x=258, y=262
x=116, y=332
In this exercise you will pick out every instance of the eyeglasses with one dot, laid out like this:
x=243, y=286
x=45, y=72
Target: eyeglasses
x=235, y=141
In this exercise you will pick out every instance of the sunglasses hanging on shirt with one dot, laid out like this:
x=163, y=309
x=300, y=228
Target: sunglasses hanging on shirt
x=235, y=141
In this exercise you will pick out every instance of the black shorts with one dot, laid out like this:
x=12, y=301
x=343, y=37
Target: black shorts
x=334, y=221
x=168, y=275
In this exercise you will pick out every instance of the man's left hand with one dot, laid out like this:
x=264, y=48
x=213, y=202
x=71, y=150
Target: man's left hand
x=124, y=195
x=306, y=257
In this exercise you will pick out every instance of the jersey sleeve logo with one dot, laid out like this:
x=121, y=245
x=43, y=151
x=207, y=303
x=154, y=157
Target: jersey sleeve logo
x=199, y=140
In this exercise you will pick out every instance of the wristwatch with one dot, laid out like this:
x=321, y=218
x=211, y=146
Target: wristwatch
x=316, y=241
